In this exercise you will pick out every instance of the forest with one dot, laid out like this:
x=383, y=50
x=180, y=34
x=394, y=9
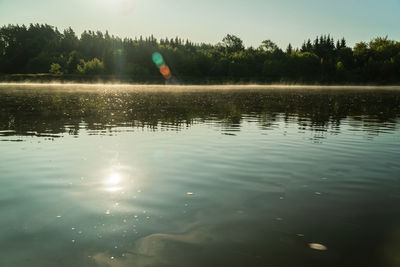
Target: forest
x=41, y=50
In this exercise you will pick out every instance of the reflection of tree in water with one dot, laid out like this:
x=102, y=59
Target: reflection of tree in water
x=46, y=113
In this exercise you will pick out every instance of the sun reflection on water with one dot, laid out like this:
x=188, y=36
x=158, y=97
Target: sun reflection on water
x=113, y=182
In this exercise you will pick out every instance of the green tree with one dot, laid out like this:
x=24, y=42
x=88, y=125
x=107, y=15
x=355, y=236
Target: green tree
x=94, y=66
x=72, y=62
x=269, y=46
x=33, y=48
x=69, y=41
x=289, y=49
x=55, y=69
x=232, y=43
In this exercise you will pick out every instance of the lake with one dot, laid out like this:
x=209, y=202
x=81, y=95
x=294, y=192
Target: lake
x=107, y=175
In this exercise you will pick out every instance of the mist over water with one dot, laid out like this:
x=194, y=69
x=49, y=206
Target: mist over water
x=115, y=175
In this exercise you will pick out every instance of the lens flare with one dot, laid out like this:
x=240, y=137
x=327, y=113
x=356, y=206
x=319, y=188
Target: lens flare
x=158, y=59
x=128, y=7
x=160, y=63
x=166, y=72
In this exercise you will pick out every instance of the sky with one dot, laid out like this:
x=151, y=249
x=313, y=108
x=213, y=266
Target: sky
x=282, y=21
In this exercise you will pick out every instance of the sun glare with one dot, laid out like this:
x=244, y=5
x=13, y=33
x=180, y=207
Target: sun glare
x=114, y=179
x=112, y=183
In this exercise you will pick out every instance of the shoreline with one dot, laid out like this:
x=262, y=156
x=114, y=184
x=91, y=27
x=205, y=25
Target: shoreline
x=45, y=78
x=200, y=87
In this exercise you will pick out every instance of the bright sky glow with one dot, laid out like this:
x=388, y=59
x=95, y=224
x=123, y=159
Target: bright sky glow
x=282, y=21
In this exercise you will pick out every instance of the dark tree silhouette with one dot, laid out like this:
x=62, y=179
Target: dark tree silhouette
x=41, y=48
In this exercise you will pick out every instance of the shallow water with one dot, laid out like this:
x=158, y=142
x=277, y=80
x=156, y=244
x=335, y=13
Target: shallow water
x=143, y=176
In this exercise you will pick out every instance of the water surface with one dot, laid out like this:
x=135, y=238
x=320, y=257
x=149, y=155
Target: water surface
x=155, y=176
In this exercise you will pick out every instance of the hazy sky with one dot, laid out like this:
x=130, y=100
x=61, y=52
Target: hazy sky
x=282, y=21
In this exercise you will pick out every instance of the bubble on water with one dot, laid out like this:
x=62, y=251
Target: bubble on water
x=107, y=212
x=317, y=246
x=190, y=193
x=58, y=216
x=318, y=193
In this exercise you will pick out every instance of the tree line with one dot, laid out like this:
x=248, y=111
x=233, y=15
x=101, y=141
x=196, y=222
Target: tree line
x=41, y=48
